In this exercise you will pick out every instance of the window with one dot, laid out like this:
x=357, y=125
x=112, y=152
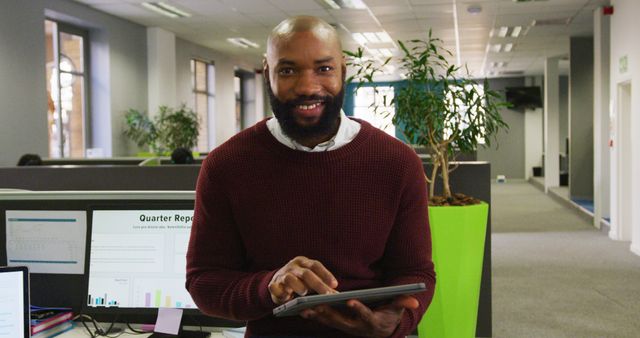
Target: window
x=202, y=75
x=465, y=116
x=372, y=104
x=67, y=89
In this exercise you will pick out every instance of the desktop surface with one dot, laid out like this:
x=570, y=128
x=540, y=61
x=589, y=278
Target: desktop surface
x=80, y=332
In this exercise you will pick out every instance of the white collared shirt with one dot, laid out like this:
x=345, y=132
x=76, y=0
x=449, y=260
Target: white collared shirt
x=347, y=131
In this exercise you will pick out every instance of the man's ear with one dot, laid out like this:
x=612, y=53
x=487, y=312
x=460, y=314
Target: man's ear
x=265, y=69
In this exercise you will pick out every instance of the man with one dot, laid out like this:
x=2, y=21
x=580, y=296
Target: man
x=310, y=202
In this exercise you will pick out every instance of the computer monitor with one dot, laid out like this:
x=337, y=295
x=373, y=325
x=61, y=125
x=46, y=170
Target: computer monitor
x=137, y=262
x=14, y=302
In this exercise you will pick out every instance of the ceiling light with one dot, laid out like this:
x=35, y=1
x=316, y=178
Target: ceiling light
x=332, y=4
x=502, y=32
x=371, y=37
x=345, y=4
x=384, y=36
x=386, y=52
x=352, y=4
x=516, y=31
x=496, y=48
x=508, y=47
x=166, y=9
x=359, y=38
x=243, y=43
x=501, y=64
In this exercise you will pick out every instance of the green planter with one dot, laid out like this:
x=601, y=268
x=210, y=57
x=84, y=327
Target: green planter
x=457, y=234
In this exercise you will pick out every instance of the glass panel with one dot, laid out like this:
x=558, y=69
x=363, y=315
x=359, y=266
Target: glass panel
x=72, y=99
x=201, y=76
x=71, y=46
x=367, y=99
x=50, y=29
x=201, y=110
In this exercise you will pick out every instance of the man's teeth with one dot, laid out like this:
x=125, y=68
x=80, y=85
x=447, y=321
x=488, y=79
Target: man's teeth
x=309, y=106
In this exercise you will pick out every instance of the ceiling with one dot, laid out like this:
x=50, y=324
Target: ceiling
x=213, y=21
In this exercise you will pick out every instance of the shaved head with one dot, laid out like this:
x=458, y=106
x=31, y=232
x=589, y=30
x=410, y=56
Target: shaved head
x=304, y=73
x=297, y=24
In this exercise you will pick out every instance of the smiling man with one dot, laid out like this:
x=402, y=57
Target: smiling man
x=310, y=201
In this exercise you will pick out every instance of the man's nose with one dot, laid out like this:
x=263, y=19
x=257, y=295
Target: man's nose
x=308, y=84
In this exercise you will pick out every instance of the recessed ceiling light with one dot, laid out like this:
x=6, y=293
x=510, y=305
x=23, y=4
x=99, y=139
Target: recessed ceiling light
x=502, y=32
x=332, y=4
x=359, y=38
x=516, y=31
x=508, y=47
x=166, y=9
x=384, y=36
x=243, y=43
x=371, y=37
x=345, y=4
x=496, y=48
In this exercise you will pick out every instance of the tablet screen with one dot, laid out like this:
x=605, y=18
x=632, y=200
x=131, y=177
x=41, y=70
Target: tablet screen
x=366, y=296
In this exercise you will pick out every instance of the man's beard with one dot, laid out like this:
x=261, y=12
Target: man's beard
x=283, y=112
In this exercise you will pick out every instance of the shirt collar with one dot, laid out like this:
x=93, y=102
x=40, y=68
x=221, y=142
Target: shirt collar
x=347, y=131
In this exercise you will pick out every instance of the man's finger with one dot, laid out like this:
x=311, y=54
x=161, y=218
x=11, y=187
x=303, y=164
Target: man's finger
x=406, y=302
x=361, y=310
x=324, y=273
x=313, y=281
x=295, y=284
x=330, y=317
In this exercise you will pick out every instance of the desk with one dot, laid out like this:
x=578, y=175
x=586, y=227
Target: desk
x=80, y=332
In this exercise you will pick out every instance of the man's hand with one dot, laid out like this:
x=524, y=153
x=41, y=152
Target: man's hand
x=360, y=319
x=300, y=276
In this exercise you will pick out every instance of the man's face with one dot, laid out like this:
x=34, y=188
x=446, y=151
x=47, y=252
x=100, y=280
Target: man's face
x=305, y=84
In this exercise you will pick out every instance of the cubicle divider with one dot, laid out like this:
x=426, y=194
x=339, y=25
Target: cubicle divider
x=103, y=177
x=471, y=178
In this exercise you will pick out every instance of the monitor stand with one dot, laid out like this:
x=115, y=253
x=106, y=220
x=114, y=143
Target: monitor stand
x=182, y=334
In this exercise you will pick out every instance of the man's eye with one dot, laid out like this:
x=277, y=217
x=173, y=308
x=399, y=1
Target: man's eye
x=325, y=68
x=285, y=71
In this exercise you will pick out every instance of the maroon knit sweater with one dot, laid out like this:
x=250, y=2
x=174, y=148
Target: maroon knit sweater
x=361, y=210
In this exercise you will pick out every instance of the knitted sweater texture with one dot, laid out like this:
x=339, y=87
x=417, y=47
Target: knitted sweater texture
x=361, y=210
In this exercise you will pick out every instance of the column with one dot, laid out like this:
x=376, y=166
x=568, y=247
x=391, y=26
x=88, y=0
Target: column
x=161, y=68
x=601, y=176
x=551, y=123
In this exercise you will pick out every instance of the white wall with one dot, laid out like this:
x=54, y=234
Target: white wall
x=161, y=69
x=624, y=43
x=120, y=83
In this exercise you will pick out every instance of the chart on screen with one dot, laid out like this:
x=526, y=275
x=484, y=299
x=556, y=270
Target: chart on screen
x=138, y=259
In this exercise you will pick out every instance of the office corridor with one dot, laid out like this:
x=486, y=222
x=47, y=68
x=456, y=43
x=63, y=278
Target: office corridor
x=554, y=275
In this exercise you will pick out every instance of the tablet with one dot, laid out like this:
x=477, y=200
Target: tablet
x=14, y=302
x=366, y=296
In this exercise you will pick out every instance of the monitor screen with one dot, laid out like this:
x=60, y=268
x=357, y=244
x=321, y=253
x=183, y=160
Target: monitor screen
x=138, y=259
x=524, y=97
x=14, y=302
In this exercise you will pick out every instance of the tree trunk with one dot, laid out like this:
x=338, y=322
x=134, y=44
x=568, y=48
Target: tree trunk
x=446, y=189
x=434, y=175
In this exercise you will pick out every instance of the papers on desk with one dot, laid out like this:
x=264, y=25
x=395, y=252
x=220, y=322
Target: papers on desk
x=47, y=241
x=235, y=332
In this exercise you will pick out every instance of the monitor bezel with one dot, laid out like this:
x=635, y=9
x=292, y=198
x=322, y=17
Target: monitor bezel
x=135, y=314
x=26, y=303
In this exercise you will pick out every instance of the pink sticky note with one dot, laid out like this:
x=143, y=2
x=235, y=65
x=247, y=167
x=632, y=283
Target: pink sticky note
x=168, y=320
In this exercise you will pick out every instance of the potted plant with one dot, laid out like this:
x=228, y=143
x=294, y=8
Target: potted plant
x=169, y=129
x=440, y=108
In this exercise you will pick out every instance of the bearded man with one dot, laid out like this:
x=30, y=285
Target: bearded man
x=310, y=201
